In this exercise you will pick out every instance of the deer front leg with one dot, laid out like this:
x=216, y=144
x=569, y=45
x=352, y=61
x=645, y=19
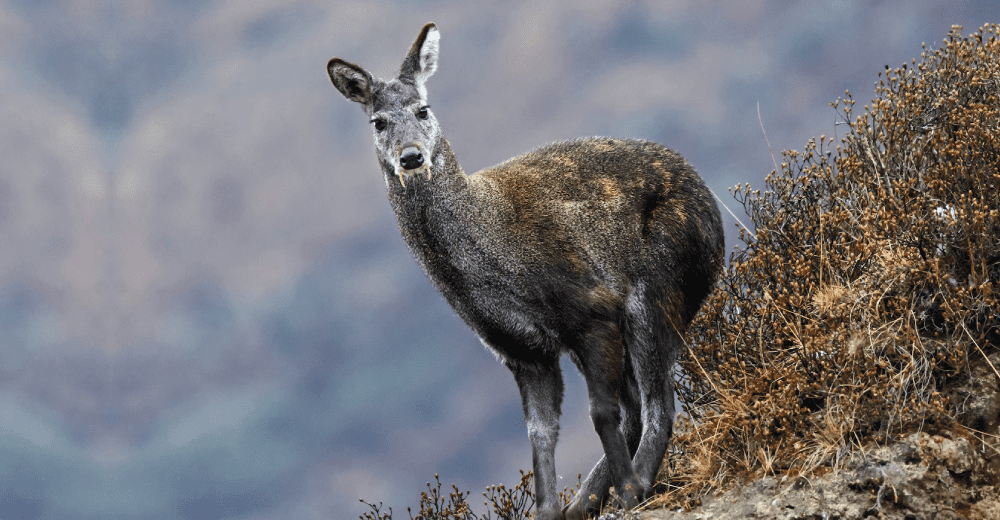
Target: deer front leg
x=541, y=387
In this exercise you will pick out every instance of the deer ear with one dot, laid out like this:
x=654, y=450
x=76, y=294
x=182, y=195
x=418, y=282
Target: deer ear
x=421, y=61
x=354, y=82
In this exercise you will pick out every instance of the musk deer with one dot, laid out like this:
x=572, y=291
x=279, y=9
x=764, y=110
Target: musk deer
x=600, y=248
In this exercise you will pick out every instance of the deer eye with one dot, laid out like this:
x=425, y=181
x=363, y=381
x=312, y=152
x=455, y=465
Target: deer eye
x=379, y=123
x=422, y=113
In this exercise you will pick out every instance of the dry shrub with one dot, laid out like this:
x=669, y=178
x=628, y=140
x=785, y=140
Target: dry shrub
x=866, y=290
x=506, y=503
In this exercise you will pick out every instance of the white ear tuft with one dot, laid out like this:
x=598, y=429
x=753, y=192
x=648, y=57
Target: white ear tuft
x=421, y=61
x=429, y=55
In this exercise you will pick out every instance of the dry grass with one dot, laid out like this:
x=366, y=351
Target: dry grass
x=868, y=287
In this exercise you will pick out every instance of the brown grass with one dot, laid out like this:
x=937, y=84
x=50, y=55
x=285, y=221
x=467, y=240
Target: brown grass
x=868, y=287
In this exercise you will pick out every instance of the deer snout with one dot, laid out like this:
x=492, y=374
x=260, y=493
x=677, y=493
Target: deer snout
x=410, y=158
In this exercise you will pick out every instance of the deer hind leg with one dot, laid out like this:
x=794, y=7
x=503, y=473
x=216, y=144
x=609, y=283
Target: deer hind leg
x=541, y=386
x=601, y=359
x=653, y=344
x=599, y=480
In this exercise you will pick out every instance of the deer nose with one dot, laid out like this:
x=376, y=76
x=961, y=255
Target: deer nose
x=411, y=158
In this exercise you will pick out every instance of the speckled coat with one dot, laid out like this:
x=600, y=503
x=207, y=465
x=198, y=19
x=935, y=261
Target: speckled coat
x=531, y=251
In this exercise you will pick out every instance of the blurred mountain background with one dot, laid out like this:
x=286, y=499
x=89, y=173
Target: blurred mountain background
x=206, y=310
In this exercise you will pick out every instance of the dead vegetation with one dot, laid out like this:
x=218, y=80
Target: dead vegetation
x=503, y=502
x=867, y=291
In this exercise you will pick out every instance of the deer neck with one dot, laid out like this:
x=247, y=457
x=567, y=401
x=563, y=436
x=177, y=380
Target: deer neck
x=435, y=215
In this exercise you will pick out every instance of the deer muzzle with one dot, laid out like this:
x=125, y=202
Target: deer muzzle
x=412, y=160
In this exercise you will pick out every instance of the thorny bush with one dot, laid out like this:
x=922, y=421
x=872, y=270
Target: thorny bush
x=866, y=290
